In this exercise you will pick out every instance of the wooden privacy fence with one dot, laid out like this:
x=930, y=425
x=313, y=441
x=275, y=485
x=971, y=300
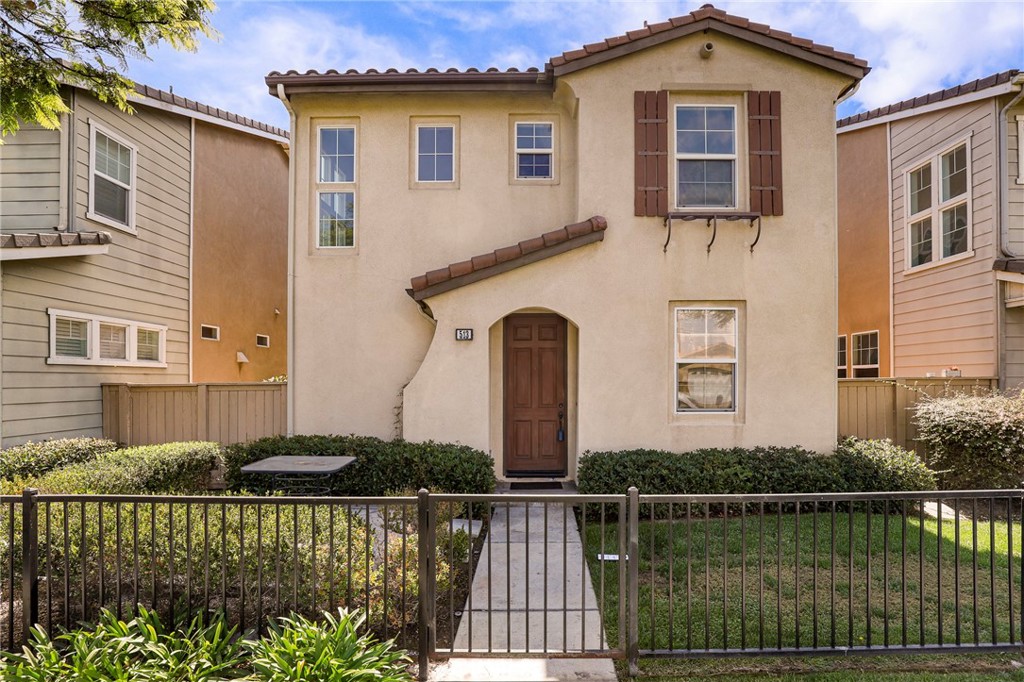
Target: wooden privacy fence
x=884, y=408
x=143, y=414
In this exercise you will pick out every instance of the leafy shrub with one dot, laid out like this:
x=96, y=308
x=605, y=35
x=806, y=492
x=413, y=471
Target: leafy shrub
x=140, y=649
x=328, y=651
x=380, y=466
x=855, y=466
x=36, y=459
x=168, y=468
x=974, y=441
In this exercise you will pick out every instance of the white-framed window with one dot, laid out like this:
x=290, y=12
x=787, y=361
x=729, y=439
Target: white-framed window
x=112, y=179
x=209, y=332
x=535, y=150
x=78, y=338
x=435, y=153
x=841, y=356
x=336, y=187
x=706, y=359
x=263, y=341
x=865, y=354
x=938, y=207
x=705, y=152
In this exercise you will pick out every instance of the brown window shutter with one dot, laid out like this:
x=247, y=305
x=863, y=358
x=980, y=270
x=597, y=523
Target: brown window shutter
x=764, y=118
x=650, y=139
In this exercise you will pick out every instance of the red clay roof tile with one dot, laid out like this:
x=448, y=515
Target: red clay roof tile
x=580, y=232
x=931, y=98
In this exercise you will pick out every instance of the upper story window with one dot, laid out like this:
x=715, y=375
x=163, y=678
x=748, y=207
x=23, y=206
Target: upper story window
x=336, y=187
x=865, y=354
x=706, y=359
x=85, y=339
x=535, y=150
x=435, y=154
x=705, y=151
x=112, y=182
x=938, y=208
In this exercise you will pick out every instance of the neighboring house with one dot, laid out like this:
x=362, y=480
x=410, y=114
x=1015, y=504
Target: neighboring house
x=931, y=235
x=625, y=328
x=123, y=238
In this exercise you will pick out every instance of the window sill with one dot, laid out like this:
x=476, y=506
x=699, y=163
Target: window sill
x=105, y=363
x=103, y=220
x=939, y=263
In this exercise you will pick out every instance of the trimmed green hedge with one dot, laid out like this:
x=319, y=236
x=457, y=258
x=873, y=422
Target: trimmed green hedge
x=167, y=468
x=36, y=459
x=974, y=441
x=855, y=466
x=381, y=466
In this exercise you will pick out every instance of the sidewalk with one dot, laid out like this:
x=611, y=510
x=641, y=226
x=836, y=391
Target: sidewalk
x=533, y=575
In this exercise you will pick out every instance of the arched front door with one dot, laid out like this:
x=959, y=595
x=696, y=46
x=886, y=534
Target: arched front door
x=535, y=395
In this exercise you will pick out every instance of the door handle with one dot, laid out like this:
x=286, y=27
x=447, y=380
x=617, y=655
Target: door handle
x=561, y=417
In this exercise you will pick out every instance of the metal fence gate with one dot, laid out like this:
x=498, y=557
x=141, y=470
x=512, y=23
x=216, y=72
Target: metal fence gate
x=546, y=576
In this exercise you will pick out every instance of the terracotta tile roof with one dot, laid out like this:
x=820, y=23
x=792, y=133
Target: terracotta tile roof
x=932, y=97
x=707, y=12
x=52, y=239
x=682, y=25
x=1009, y=265
x=508, y=258
x=199, y=107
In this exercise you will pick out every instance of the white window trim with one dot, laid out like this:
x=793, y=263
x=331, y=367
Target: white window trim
x=131, y=340
x=455, y=154
x=329, y=187
x=535, y=150
x=1020, y=149
x=209, y=326
x=265, y=336
x=852, y=351
x=846, y=351
x=675, y=361
x=91, y=214
x=734, y=157
x=937, y=207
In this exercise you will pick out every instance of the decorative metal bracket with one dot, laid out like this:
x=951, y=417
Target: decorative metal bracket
x=712, y=222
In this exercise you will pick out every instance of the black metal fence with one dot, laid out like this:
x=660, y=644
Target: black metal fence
x=625, y=576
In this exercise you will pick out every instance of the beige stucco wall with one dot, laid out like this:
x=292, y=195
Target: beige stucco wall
x=359, y=338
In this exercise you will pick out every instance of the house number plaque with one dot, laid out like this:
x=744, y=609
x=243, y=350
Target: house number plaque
x=463, y=334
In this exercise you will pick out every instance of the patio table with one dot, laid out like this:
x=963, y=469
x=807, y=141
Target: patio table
x=298, y=474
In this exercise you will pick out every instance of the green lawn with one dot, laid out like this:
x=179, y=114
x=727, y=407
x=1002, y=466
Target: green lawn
x=886, y=581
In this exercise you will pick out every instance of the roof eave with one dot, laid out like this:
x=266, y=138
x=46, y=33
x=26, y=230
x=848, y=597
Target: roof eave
x=524, y=81
x=846, y=68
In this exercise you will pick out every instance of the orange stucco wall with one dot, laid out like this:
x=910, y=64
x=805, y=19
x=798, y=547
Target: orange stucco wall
x=864, y=240
x=240, y=254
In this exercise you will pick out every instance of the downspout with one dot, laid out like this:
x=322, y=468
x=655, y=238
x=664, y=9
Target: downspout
x=1004, y=172
x=290, y=355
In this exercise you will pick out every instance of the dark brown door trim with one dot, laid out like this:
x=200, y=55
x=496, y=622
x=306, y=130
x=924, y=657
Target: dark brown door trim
x=535, y=381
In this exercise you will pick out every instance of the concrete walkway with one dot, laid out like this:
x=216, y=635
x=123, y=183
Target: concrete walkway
x=531, y=593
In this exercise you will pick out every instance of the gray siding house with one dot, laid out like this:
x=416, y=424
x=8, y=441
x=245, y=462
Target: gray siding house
x=955, y=198
x=96, y=233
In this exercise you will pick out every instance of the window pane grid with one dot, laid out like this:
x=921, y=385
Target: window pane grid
x=534, y=150
x=841, y=352
x=954, y=173
x=71, y=338
x=337, y=219
x=938, y=212
x=865, y=349
x=706, y=359
x=705, y=156
x=435, y=154
x=113, y=342
x=113, y=160
x=148, y=345
x=337, y=155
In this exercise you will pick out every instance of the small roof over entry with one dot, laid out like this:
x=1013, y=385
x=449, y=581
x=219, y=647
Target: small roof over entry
x=508, y=258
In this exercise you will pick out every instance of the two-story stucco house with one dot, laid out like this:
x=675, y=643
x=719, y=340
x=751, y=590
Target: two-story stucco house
x=142, y=248
x=931, y=235
x=633, y=246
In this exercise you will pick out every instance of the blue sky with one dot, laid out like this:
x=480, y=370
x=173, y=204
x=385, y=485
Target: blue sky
x=914, y=46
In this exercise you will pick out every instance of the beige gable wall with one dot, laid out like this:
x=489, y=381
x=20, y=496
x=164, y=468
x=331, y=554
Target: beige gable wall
x=359, y=339
x=143, y=278
x=32, y=179
x=1015, y=179
x=945, y=315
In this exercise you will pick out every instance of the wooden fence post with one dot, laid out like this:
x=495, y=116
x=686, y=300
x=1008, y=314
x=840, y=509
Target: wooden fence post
x=202, y=412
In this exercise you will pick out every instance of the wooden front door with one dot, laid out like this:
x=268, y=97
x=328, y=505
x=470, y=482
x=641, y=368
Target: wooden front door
x=535, y=388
